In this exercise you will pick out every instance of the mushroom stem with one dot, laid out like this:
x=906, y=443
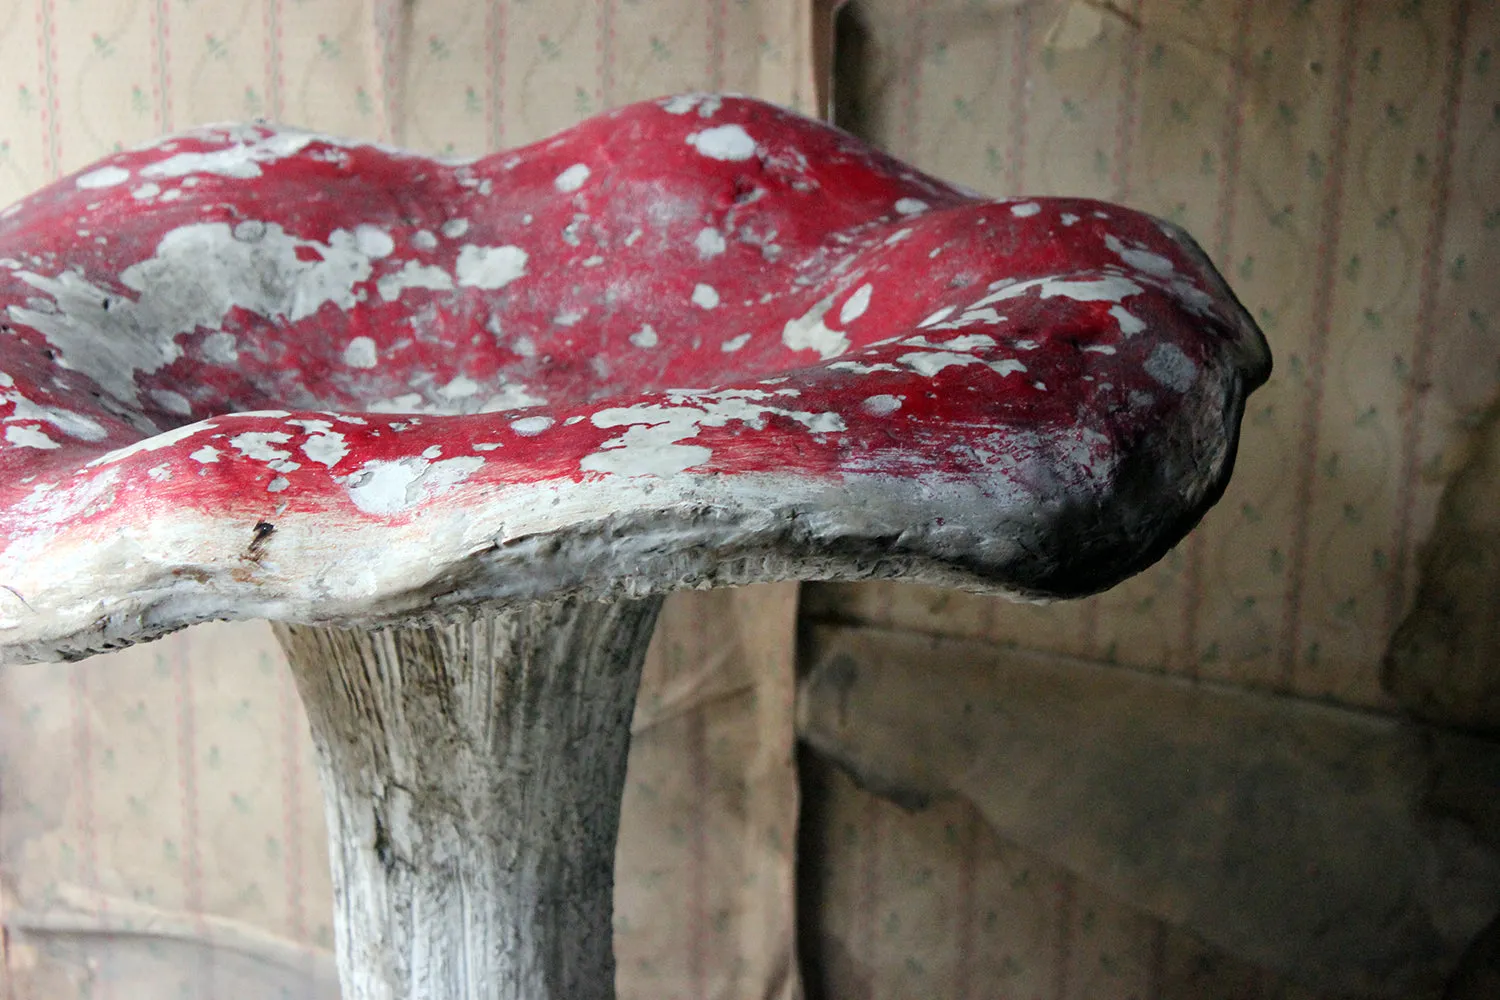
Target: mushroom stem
x=473, y=767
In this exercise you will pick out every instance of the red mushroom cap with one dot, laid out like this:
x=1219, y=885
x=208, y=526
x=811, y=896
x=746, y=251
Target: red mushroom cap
x=258, y=372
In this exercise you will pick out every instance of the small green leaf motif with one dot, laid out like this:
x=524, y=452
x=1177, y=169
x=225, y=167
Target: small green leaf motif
x=551, y=51
x=1352, y=268
x=438, y=49
x=26, y=99
x=1276, y=562
x=1353, y=514
x=254, y=106
x=583, y=102
x=1379, y=561
x=329, y=48
x=660, y=51
x=1458, y=270
x=103, y=48
x=1315, y=168
x=366, y=107
x=963, y=109
x=1071, y=111
x=1373, y=319
x=216, y=47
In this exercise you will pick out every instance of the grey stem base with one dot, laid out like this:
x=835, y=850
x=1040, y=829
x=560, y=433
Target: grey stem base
x=473, y=769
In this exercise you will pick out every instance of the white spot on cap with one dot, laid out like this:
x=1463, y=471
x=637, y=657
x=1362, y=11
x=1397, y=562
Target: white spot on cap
x=881, y=405
x=103, y=177
x=809, y=333
x=172, y=402
x=1025, y=210
x=360, y=353
x=146, y=191
x=726, y=142
x=490, y=267
x=855, y=305
x=208, y=454
x=644, y=337
x=734, y=343
x=454, y=228
x=391, y=487
x=572, y=179
x=1171, y=367
x=1130, y=324
x=373, y=242
x=29, y=437
x=423, y=239
x=710, y=243
x=530, y=426
x=1068, y=218
x=937, y=317
x=705, y=297
x=911, y=206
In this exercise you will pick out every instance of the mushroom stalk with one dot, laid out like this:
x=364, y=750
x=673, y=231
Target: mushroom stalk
x=473, y=767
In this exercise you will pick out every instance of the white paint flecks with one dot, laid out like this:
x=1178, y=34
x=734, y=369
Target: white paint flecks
x=808, y=333
x=1130, y=324
x=735, y=343
x=243, y=160
x=707, y=104
x=103, y=177
x=197, y=276
x=645, y=337
x=454, y=228
x=413, y=275
x=490, y=267
x=1009, y=366
x=29, y=437
x=146, y=191
x=207, y=455
x=937, y=317
x=373, y=242
x=725, y=142
x=1171, y=367
x=1067, y=218
x=571, y=179
x=260, y=446
x=172, y=402
x=360, y=353
x=911, y=206
x=705, y=296
x=324, y=445
x=1110, y=288
x=531, y=426
x=651, y=444
x=163, y=440
x=385, y=488
x=423, y=239
x=1025, y=210
x=1140, y=258
x=72, y=424
x=709, y=243
x=220, y=348
x=459, y=387
x=855, y=305
x=882, y=405
x=930, y=363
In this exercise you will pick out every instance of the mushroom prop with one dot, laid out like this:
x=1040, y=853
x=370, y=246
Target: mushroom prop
x=457, y=427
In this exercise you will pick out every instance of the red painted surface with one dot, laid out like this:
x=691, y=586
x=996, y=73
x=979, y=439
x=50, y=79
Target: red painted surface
x=665, y=246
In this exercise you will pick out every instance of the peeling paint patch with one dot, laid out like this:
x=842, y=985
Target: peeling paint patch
x=1130, y=324
x=571, y=179
x=413, y=275
x=385, y=488
x=490, y=267
x=103, y=177
x=163, y=440
x=855, y=305
x=911, y=206
x=1025, y=210
x=645, y=337
x=705, y=296
x=29, y=437
x=1171, y=367
x=709, y=243
x=808, y=333
x=735, y=343
x=360, y=353
x=881, y=405
x=531, y=426
x=726, y=142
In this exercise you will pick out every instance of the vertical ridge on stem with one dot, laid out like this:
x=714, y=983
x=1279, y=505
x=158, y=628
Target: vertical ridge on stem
x=473, y=767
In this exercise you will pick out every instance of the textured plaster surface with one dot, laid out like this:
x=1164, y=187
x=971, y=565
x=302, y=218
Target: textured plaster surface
x=251, y=371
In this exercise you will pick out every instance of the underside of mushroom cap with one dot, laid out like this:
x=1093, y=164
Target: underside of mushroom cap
x=258, y=372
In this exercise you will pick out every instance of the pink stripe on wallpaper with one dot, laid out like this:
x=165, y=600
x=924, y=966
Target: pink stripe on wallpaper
x=1325, y=266
x=494, y=59
x=1020, y=99
x=1222, y=250
x=83, y=769
x=275, y=71
x=161, y=42
x=1413, y=399
x=46, y=32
